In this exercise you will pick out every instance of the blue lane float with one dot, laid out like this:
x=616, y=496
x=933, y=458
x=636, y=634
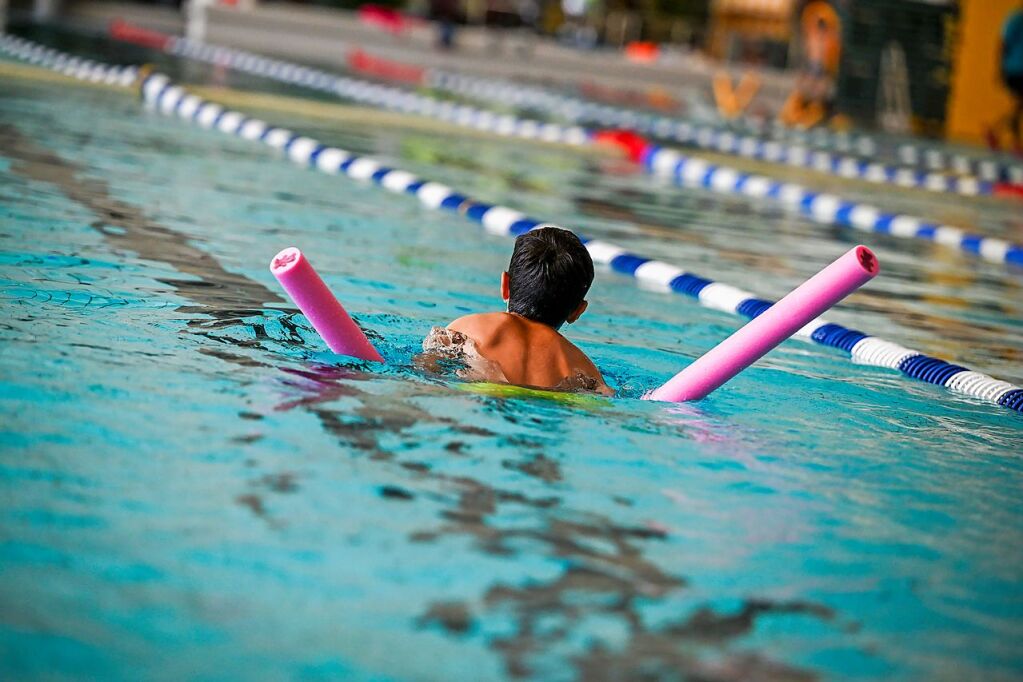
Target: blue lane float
x=824, y=207
x=685, y=170
x=163, y=96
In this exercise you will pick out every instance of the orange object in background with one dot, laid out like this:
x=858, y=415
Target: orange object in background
x=632, y=144
x=748, y=21
x=119, y=29
x=802, y=113
x=363, y=62
x=733, y=101
x=978, y=97
x=659, y=98
x=642, y=52
x=822, y=36
x=384, y=18
x=811, y=100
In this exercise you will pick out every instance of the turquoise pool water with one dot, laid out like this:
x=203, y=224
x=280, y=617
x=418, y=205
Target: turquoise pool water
x=191, y=487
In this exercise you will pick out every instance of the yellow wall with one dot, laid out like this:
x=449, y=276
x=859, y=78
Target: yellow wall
x=978, y=96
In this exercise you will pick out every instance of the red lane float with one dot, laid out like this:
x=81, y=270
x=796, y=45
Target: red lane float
x=634, y=145
x=365, y=63
x=129, y=33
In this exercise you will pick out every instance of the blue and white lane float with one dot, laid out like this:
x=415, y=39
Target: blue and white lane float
x=161, y=95
x=692, y=171
x=860, y=145
x=803, y=143
x=753, y=146
x=821, y=207
x=579, y=111
x=988, y=167
x=800, y=156
x=69, y=65
x=989, y=170
x=387, y=97
x=824, y=207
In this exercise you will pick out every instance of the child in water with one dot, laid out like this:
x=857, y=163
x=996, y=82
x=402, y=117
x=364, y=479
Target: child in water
x=545, y=287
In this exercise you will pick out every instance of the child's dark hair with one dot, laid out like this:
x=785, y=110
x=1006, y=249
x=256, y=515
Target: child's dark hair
x=549, y=275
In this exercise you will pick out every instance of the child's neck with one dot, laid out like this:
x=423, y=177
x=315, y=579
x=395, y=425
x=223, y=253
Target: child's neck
x=535, y=322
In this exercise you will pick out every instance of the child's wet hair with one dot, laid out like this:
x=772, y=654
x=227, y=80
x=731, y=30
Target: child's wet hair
x=549, y=275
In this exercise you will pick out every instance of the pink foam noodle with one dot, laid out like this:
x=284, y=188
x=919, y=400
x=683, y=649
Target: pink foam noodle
x=750, y=343
x=324, y=312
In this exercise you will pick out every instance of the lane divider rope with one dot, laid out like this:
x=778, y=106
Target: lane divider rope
x=933, y=158
x=825, y=207
x=69, y=65
x=714, y=133
x=691, y=171
x=930, y=157
x=724, y=140
x=861, y=146
x=580, y=112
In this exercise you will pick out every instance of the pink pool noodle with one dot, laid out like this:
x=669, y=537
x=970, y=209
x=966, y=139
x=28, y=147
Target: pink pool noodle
x=750, y=343
x=325, y=312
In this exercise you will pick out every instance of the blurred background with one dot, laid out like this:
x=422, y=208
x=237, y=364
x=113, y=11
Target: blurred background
x=939, y=68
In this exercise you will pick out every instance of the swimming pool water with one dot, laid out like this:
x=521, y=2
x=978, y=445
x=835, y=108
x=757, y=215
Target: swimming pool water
x=191, y=487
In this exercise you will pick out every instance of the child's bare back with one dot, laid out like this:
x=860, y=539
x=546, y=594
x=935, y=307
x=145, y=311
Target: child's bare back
x=545, y=287
x=529, y=353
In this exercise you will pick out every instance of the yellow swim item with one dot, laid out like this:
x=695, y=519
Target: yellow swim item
x=584, y=400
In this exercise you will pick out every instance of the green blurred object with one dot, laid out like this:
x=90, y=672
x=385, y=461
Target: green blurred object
x=586, y=401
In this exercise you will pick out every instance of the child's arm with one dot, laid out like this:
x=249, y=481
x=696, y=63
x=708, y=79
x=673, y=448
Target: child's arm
x=587, y=369
x=602, y=387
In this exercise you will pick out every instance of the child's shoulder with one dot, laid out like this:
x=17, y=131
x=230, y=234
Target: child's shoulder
x=481, y=318
x=481, y=325
x=575, y=355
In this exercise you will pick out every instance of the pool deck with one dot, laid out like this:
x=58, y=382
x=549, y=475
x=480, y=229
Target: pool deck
x=316, y=35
